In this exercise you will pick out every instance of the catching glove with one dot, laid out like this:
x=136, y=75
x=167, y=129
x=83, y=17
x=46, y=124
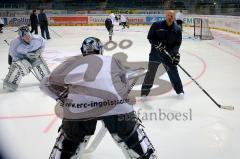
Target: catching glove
x=34, y=55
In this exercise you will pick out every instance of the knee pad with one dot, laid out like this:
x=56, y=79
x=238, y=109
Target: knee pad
x=17, y=70
x=136, y=145
x=40, y=68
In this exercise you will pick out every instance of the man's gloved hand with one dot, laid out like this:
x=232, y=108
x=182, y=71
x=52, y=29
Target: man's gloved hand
x=159, y=46
x=175, y=59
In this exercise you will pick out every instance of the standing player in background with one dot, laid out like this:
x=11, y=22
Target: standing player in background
x=179, y=19
x=1, y=25
x=109, y=23
x=25, y=54
x=34, y=22
x=123, y=21
x=90, y=78
x=164, y=36
x=43, y=21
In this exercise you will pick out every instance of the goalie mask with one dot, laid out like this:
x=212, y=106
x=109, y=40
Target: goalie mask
x=91, y=45
x=24, y=34
x=23, y=30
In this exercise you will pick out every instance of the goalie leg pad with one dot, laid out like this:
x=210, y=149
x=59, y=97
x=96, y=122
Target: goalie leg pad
x=57, y=149
x=16, y=71
x=70, y=149
x=73, y=138
x=67, y=149
x=128, y=133
x=136, y=145
x=40, y=68
x=70, y=146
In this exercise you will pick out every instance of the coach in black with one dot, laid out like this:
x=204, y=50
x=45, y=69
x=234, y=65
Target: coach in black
x=43, y=21
x=164, y=36
x=34, y=22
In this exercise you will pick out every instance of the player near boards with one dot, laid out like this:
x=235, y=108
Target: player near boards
x=109, y=23
x=80, y=83
x=34, y=22
x=165, y=37
x=25, y=55
x=1, y=25
x=123, y=21
x=179, y=19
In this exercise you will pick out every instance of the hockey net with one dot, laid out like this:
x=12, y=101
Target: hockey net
x=202, y=29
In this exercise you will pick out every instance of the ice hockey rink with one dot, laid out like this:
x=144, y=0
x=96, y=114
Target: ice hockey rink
x=28, y=125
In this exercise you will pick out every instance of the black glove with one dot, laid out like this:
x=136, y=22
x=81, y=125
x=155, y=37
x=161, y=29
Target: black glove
x=175, y=59
x=158, y=45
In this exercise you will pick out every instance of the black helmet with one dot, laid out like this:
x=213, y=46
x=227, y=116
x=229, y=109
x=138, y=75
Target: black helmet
x=91, y=45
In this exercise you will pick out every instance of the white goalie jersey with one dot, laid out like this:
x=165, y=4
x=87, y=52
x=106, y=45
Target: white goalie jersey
x=89, y=86
x=18, y=49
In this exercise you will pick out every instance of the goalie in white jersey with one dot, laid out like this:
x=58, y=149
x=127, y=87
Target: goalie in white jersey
x=94, y=87
x=25, y=54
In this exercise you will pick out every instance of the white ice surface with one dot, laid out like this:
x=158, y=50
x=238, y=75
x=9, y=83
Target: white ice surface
x=28, y=127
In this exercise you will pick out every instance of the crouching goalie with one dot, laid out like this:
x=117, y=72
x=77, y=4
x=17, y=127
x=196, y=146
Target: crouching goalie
x=25, y=55
x=94, y=78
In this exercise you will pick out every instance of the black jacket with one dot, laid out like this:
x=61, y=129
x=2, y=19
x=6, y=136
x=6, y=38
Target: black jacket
x=169, y=36
x=42, y=19
x=33, y=19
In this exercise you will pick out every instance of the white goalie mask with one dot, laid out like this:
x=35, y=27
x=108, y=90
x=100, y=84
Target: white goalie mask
x=23, y=30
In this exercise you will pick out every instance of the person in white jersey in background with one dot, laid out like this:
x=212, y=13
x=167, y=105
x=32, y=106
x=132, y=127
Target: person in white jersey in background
x=179, y=19
x=123, y=21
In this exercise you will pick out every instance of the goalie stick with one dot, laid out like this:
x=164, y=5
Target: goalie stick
x=134, y=74
x=227, y=107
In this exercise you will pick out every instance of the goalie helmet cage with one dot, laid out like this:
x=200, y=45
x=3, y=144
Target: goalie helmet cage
x=202, y=29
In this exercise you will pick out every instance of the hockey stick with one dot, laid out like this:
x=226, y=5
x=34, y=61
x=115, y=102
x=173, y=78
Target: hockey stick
x=131, y=74
x=227, y=107
x=10, y=29
x=96, y=141
x=55, y=32
x=6, y=42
